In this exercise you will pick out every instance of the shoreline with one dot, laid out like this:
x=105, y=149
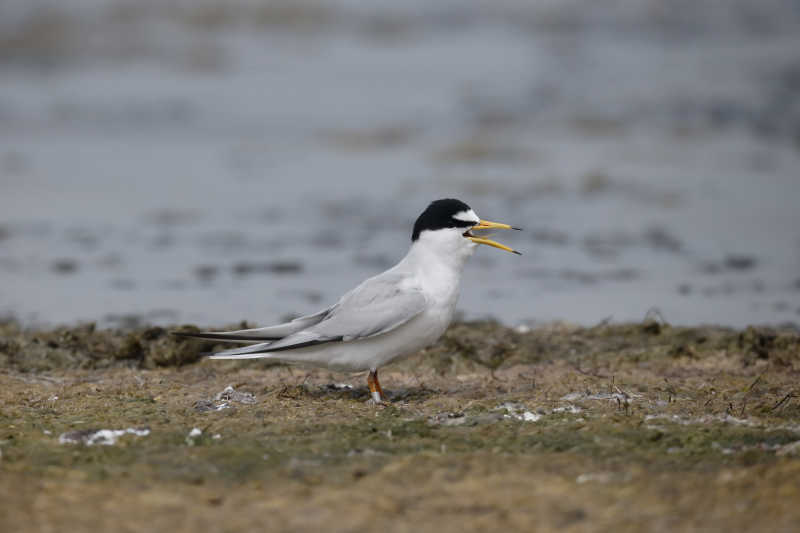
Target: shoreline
x=484, y=343
x=85, y=346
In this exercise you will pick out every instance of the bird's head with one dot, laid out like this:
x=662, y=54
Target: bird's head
x=452, y=226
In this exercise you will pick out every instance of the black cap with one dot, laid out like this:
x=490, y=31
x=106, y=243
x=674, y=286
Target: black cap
x=439, y=215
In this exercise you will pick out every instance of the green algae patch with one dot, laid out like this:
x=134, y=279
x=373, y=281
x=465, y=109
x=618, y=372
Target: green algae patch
x=630, y=427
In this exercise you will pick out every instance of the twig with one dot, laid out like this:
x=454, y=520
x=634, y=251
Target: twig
x=620, y=403
x=747, y=392
x=789, y=395
x=671, y=392
x=753, y=384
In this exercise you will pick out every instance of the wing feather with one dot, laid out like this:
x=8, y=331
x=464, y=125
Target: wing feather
x=269, y=333
x=375, y=307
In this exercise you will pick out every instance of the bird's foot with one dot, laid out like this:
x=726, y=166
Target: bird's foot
x=378, y=400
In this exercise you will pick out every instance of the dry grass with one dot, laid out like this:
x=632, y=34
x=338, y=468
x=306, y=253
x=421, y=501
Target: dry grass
x=636, y=427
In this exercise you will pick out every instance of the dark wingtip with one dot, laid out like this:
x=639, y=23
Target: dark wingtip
x=518, y=229
x=516, y=252
x=222, y=336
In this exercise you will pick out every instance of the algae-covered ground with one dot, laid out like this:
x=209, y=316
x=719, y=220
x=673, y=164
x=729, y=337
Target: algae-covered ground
x=639, y=427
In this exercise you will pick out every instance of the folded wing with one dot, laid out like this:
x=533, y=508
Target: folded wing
x=375, y=307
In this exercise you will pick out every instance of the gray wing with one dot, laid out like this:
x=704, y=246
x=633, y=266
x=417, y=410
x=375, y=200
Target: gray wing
x=269, y=333
x=377, y=306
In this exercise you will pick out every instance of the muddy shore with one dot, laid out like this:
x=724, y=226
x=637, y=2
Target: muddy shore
x=626, y=427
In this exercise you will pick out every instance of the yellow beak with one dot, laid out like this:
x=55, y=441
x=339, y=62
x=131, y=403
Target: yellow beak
x=485, y=224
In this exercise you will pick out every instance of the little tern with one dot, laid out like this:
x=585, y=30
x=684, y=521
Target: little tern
x=386, y=317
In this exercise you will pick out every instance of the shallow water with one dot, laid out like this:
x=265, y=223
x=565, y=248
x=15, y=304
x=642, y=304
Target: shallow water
x=167, y=163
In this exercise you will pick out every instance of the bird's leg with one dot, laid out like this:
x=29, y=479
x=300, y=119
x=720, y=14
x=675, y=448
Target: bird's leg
x=375, y=387
x=378, y=385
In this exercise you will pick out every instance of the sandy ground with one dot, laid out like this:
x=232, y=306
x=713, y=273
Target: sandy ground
x=625, y=428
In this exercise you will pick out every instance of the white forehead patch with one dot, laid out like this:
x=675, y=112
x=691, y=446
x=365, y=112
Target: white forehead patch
x=467, y=216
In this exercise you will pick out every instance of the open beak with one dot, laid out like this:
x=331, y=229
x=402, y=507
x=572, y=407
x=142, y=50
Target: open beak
x=485, y=224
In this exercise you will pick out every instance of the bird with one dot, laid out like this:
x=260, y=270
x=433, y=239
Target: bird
x=386, y=317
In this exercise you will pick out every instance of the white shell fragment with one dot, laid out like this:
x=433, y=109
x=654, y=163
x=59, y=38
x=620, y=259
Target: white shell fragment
x=193, y=435
x=518, y=412
x=104, y=437
x=229, y=394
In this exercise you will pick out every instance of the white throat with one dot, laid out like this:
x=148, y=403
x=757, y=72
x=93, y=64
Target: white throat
x=436, y=260
x=445, y=249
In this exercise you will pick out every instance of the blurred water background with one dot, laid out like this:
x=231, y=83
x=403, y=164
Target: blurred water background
x=210, y=161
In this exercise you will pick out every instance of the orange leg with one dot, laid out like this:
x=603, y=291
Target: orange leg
x=375, y=387
x=378, y=385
